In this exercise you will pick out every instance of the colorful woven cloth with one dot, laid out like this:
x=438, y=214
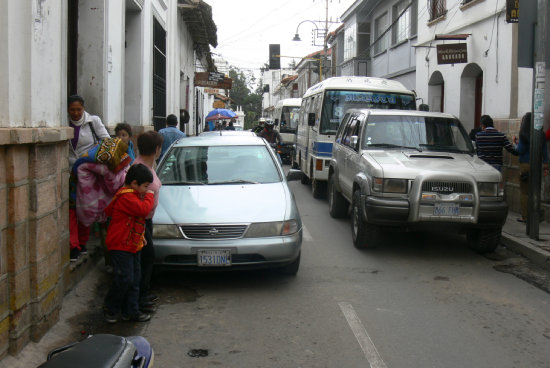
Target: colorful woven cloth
x=95, y=178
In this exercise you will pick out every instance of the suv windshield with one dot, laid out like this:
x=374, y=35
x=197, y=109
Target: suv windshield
x=418, y=132
x=218, y=165
x=289, y=119
x=336, y=103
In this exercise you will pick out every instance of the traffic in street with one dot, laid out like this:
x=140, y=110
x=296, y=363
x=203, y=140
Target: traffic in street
x=420, y=299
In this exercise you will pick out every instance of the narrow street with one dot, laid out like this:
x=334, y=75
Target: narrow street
x=421, y=300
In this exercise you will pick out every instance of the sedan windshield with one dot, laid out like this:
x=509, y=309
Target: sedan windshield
x=416, y=132
x=218, y=165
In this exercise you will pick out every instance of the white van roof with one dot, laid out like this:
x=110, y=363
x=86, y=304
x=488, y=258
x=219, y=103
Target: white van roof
x=289, y=102
x=358, y=83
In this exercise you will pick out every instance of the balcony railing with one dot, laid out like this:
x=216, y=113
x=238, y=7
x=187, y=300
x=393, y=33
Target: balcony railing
x=437, y=8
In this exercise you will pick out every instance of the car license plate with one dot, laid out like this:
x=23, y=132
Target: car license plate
x=214, y=257
x=447, y=209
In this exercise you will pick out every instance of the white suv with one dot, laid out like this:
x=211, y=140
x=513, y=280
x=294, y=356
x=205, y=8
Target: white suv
x=414, y=170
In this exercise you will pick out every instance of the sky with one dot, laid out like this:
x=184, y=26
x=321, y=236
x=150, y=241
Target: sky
x=247, y=27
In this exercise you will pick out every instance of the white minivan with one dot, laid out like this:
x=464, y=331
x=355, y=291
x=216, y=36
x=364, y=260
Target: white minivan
x=285, y=116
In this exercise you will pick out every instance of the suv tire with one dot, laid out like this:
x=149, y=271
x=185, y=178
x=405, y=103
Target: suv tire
x=363, y=234
x=291, y=269
x=484, y=240
x=337, y=204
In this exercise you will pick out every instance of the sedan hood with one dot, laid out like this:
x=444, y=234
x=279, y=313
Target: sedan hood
x=408, y=165
x=215, y=204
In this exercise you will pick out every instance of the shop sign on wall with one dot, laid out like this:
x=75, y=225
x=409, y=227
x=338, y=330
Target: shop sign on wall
x=452, y=53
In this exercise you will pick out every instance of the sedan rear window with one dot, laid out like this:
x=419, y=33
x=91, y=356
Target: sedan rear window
x=218, y=165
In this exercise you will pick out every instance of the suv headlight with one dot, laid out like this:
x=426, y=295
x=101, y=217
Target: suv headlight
x=390, y=185
x=490, y=189
x=166, y=232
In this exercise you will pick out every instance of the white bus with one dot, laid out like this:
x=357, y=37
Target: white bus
x=285, y=116
x=322, y=110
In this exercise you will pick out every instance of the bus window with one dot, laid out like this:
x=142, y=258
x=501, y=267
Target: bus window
x=338, y=102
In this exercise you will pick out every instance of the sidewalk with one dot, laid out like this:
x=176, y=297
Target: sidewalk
x=515, y=239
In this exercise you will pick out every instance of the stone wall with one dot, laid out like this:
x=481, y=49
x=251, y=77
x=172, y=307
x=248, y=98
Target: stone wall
x=34, y=232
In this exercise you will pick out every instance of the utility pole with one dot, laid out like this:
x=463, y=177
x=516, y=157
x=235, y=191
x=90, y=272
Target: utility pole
x=537, y=122
x=324, y=42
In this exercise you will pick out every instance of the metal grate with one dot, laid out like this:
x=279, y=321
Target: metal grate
x=446, y=187
x=213, y=231
x=437, y=8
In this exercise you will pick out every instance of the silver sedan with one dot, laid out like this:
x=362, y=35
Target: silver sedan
x=225, y=204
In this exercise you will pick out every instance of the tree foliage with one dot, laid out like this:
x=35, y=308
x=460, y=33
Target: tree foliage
x=241, y=94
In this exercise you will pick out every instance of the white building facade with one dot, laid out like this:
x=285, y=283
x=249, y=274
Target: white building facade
x=490, y=82
x=376, y=40
x=135, y=59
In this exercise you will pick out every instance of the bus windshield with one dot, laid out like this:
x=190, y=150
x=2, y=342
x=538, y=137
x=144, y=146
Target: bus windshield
x=289, y=119
x=336, y=103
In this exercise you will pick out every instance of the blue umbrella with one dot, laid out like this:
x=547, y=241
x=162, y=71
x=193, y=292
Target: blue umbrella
x=220, y=114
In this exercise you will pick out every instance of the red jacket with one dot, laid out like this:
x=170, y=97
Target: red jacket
x=127, y=227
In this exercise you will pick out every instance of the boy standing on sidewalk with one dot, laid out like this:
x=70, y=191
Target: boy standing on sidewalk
x=125, y=238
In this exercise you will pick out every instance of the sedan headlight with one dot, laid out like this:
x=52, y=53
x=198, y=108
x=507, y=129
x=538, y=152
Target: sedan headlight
x=269, y=229
x=488, y=189
x=166, y=232
x=390, y=185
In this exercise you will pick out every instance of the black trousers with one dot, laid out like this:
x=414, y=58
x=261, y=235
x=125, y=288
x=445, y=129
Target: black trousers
x=123, y=295
x=147, y=260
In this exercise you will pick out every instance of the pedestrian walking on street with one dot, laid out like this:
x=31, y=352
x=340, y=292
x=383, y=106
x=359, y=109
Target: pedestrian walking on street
x=523, y=147
x=149, y=146
x=490, y=142
x=125, y=239
x=88, y=131
x=124, y=132
x=171, y=133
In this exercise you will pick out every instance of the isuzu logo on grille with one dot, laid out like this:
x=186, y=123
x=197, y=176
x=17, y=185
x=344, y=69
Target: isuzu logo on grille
x=213, y=231
x=443, y=189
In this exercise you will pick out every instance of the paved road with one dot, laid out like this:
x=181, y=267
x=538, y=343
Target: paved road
x=420, y=300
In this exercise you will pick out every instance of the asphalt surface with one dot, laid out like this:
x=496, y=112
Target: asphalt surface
x=419, y=300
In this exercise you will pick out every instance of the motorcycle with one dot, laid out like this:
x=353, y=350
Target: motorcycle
x=103, y=350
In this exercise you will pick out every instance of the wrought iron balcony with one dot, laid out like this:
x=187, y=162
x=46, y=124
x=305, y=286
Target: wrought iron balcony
x=437, y=8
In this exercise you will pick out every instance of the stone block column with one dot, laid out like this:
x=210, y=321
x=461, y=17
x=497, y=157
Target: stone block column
x=34, y=245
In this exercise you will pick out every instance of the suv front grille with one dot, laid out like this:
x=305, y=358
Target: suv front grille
x=207, y=232
x=445, y=187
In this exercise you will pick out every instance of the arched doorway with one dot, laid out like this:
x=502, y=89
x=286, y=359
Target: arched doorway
x=436, y=92
x=471, y=93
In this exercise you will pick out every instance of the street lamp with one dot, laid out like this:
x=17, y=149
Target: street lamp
x=324, y=33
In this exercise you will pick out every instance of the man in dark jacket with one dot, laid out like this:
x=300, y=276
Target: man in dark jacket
x=490, y=142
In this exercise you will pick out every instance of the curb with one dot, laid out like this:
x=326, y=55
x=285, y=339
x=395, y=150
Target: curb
x=525, y=248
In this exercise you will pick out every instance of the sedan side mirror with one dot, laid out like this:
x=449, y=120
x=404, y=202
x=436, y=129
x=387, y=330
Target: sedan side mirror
x=294, y=175
x=311, y=119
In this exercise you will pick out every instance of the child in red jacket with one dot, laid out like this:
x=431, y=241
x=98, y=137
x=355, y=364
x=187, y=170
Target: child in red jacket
x=125, y=238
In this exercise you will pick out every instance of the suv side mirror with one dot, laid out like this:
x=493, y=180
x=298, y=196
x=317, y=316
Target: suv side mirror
x=353, y=140
x=311, y=119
